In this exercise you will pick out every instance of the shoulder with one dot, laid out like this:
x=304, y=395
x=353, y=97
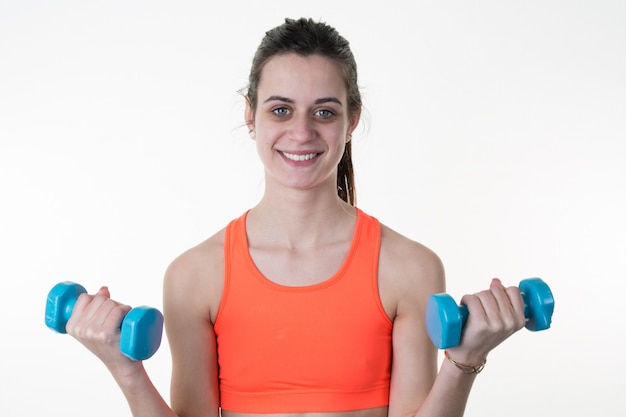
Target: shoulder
x=409, y=272
x=410, y=260
x=195, y=277
x=198, y=258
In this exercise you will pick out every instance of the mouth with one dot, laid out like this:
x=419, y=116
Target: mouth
x=299, y=157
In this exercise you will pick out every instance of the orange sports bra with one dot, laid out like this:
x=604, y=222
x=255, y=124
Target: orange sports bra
x=319, y=348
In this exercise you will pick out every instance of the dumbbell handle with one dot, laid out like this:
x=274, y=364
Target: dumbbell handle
x=140, y=331
x=445, y=319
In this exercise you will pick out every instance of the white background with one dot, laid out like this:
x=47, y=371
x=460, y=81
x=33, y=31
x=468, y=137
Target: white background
x=495, y=134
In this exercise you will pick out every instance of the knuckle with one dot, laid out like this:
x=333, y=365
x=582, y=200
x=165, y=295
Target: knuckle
x=82, y=301
x=470, y=299
x=84, y=297
x=101, y=298
x=510, y=325
x=120, y=310
x=497, y=326
x=108, y=303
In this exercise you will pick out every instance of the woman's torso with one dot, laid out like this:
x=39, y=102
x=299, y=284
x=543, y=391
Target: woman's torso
x=388, y=269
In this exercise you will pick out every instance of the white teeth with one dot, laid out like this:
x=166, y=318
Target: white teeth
x=295, y=157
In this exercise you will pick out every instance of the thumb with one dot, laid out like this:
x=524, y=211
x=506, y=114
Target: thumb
x=495, y=283
x=104, y=291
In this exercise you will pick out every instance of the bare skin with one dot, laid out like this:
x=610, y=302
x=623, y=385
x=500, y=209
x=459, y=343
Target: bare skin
x=302, y=124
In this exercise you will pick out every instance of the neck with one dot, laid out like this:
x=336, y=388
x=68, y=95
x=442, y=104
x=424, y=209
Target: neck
x=300, y=218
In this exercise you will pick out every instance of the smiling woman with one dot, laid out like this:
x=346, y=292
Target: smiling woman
x=298, y=305
x=326, y=41
x=303, y=121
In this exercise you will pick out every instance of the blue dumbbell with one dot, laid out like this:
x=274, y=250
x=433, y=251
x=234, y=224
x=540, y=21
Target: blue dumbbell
x=445, y=319
x=140, y=332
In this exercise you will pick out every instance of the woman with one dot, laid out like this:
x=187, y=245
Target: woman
x=299, y=305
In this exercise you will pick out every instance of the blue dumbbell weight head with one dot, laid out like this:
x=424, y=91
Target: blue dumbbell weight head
x=445, y=319
x=60, y=304
x=140, y=331
x=538, y=304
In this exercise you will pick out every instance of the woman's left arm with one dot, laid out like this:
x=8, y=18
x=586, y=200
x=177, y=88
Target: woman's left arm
x=409, y=274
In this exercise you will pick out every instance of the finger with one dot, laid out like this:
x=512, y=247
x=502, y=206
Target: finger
x=489, y=302
x=475, y=307
x=495, y=282
x=510, y=307
x=108, y=314
x=81, y=314
x=92, y=312
x=84, y=301
x=515, y=297
x=85, y=309
x=499, y=294
x=103, y=322
x=115, y=316
x=95, y=305
x=106, y=323
x=100, y=307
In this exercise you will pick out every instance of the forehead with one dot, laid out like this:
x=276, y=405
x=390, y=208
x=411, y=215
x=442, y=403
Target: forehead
x=295, y=76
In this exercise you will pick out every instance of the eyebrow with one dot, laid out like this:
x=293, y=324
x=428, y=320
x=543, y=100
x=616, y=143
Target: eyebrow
x=318, y=101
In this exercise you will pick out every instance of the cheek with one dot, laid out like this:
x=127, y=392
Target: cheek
x=340, y=136
x=263, y=145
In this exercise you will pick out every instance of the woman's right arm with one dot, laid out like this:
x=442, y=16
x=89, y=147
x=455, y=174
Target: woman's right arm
x=190, y=304
x=192, y=292
x=95, y=322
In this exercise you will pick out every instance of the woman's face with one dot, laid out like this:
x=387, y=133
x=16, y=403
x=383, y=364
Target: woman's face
x=302, y=121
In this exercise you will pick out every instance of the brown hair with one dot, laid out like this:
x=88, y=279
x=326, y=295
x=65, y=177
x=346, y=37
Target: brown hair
x=306, y=37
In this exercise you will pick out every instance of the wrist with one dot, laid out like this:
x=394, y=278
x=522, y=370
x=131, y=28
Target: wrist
x=128, y=375
x=467, y=367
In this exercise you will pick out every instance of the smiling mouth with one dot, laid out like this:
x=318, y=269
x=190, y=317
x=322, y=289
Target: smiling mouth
x=299, y=157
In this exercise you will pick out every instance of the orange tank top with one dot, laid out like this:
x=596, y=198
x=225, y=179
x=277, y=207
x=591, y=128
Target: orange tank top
x=319, y=348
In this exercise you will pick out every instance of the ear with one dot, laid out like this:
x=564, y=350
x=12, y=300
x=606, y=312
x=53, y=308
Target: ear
x=249, y=115
x=354, y=122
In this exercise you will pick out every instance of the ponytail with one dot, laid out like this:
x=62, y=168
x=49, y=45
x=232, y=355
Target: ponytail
x=345, y=177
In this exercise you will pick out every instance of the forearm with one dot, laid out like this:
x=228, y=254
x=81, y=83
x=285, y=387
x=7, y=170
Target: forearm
x=142, y=396
x=449, y=394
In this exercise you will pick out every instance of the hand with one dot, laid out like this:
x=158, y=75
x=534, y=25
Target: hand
x=95, y=322
x=494, y=315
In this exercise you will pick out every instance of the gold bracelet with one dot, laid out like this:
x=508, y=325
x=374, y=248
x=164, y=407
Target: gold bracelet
x=467, y=369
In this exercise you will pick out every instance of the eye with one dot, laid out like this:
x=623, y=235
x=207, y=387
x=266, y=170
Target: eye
x=281, y=111
x=324, y=113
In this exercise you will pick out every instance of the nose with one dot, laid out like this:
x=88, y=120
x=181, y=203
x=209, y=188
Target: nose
x=302, y=128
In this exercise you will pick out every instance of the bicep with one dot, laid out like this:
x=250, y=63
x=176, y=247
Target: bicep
x=414, y=366
x=194, y=384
